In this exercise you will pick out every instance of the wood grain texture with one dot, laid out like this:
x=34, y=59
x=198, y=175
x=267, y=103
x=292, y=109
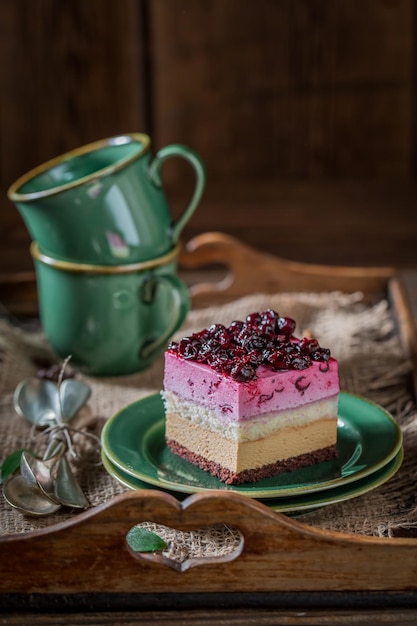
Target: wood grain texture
x=293, y=89
x=279, y=554
x=75, y=76
x=237, y=617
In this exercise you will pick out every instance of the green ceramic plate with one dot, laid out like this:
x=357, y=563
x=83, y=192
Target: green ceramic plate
x=368, y=439
x=294, y=504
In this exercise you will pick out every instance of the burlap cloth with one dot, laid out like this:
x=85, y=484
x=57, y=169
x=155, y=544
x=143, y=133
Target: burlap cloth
x=372, y=361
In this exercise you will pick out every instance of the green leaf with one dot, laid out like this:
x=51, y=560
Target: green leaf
x=11, y=463
x=143, y=540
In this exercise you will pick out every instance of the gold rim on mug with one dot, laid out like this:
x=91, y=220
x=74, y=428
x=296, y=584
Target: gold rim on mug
x=87, y=268
x=13, y=192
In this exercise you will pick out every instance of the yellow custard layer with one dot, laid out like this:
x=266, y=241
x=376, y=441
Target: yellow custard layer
x=237, y=456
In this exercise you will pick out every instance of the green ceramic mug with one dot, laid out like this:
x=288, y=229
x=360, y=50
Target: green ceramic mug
x=111, y=320
x=104, y=203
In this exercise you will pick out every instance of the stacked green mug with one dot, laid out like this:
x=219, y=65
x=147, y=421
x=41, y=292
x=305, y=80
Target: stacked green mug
x=105, y=250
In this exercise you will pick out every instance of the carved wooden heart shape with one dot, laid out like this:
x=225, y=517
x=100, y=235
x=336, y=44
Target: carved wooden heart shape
x=219, y=543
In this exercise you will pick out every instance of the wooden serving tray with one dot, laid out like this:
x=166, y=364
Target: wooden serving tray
x=88, y=554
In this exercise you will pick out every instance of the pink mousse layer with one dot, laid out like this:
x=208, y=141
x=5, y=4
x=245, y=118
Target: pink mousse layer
x=270, y=391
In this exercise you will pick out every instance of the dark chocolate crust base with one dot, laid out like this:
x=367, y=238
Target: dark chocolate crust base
x=252, y=475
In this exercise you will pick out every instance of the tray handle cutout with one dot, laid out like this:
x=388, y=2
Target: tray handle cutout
x=182, y=550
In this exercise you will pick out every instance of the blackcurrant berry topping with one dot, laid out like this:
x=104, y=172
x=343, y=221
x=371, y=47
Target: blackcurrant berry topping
x=262, y=339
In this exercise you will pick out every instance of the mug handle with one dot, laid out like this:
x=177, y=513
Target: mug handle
x=196, y=163
x=179, y=308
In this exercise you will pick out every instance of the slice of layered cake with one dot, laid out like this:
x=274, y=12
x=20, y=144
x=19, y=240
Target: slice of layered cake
x=250, y=401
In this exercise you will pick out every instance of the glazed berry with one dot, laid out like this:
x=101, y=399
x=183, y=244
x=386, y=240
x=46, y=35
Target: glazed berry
x=243, y=372
x=203, y=354
x=270, y=316
x=254, y=358
x=321, y=354
x=279, y=360
x=300, y=363
x=225, y=338
x=286, y=325
x=307, y=346
x=235, y=327
x=202, y=335
x=218, y=359
x=253, y=319
x=269, y=323
x=188, y=348
x=255, y=342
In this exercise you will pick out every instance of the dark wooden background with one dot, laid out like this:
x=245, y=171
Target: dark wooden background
x=304, y=112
